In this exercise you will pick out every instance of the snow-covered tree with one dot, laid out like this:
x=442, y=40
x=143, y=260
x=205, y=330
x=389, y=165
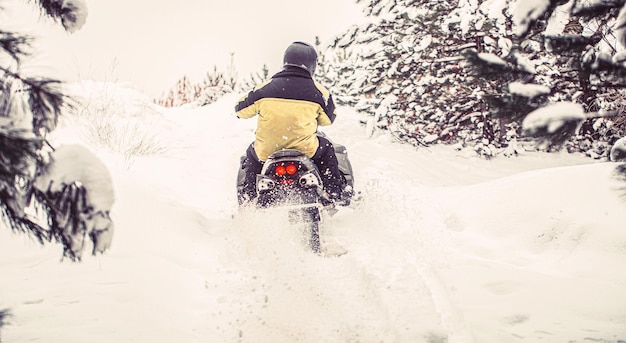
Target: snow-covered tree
x=215, y=84
x=29, y=109
x=469, y=71
x=562, y=52
x=405, y=70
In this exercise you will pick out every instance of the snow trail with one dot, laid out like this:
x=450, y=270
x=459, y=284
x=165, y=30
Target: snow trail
x=388, y=284
x=415, y=232
x=430, y=259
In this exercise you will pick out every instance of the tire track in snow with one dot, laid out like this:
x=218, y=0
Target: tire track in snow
x=416, y=237
x=432, y=235
x=284, y=293
x=451, y=317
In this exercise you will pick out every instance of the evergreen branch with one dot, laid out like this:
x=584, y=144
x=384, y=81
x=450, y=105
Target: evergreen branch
x=512, y=106
x=570, y=43
x=14, y=45
x=22, y=130
x=621, y=169
x=45, y=99
x=538, y=25
x=604, y=114
x=620, y=174
x=66, y=209
x=557, y=138
x=46, y=102
x=23, y=225
x=17, y=154
x=52, y=8
x=611, y=85
x=40, y=85
x=606, y=65
x=4, y=314
x=62, y=11
x=598, y=9
x=493, y=71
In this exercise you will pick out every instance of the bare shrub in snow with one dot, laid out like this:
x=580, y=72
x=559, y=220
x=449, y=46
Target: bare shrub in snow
x=113, y=117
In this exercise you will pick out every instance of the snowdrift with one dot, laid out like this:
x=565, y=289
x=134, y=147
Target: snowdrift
x=444, y=247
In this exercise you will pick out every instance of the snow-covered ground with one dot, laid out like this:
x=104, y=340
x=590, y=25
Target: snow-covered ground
x=444, y=247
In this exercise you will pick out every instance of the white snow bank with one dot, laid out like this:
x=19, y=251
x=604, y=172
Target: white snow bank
x=519, y=252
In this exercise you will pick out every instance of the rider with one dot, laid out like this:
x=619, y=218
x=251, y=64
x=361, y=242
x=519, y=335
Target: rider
x=290, y=106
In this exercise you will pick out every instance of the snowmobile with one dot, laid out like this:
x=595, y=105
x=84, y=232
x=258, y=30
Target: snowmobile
x=290, y=180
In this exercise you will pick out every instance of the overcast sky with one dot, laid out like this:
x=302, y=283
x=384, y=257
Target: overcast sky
x=154, y=43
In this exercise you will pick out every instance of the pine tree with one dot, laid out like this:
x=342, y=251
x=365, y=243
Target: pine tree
x=254, y=79
x=404, y=70
x=579, y=64
x=29, y=109
x=214, y=85
x=469, y=71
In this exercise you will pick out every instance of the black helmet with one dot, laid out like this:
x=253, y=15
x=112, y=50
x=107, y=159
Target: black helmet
x=301, y=55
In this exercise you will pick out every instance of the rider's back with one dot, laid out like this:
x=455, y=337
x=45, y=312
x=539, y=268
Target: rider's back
x=290, y=107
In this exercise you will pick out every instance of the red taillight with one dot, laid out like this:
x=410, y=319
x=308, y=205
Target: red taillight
x=291, y=169
x=280, y=170
x=287, y=182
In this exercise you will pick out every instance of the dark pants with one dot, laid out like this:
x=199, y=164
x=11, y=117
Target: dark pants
x=324, y=158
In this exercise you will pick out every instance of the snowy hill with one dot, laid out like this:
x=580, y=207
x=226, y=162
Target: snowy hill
x=444, y=247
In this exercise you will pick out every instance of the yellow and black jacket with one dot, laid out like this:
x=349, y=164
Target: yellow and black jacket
x=290, y=107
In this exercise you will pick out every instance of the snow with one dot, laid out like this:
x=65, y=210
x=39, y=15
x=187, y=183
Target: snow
x=526, y=64
x=74, y=14
x=553, y=116
x=91, y=173
x=528, y=90
x=424, y=42
x=618, y=151
x=491, y=58
x=443, y=247
x=505, y=45
x=465, y=12
x=527, y=11
x=494, y=9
